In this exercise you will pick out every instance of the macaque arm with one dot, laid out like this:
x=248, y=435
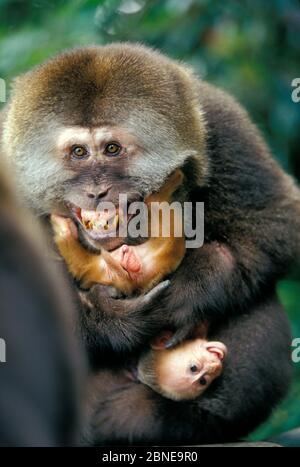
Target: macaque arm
x=209, y=282
x=221, y=278
x=121, y=325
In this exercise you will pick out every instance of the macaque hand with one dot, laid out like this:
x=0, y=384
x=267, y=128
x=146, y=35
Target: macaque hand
x=123, y=324
x=175, y=317
x=101, y=293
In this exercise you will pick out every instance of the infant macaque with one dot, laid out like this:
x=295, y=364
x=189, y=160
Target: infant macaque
x=185, y=371
x=129, y=268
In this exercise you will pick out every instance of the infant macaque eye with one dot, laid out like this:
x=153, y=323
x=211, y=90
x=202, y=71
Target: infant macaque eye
x=194, y=368
x=202, y=381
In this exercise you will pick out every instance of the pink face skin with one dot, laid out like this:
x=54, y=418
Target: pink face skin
x=186, y=371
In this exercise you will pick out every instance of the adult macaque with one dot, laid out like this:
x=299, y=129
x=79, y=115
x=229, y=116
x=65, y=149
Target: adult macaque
x=96, y=122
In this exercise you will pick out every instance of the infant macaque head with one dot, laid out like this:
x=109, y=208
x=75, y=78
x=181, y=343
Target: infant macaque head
x=183, y=372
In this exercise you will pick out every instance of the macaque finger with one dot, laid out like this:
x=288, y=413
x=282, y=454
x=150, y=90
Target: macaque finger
x=113, y=292
x=179, y=336
x=101, y=294
x=148, y=298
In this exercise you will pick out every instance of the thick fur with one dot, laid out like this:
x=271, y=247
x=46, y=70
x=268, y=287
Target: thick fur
x=252, y=225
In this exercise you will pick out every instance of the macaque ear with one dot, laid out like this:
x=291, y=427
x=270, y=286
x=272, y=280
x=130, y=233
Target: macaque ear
x=159, y=342
x=217, y=348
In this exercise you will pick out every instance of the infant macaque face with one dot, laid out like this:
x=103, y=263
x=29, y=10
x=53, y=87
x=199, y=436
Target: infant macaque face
x=185, y=371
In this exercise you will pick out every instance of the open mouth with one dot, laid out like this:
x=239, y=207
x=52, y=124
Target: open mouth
x=101, y=224
x=97, y=224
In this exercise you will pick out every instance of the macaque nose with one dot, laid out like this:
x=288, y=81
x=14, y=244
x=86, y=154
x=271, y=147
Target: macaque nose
x=97, y=194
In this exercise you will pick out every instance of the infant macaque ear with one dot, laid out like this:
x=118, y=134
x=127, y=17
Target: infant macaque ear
x=159, y=342
x=217, y=348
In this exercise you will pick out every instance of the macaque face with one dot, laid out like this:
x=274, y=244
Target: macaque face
x=95, y=122
x=98, y=159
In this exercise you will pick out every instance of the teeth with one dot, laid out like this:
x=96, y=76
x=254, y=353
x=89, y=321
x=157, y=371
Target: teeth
x=88, y=225
x=98, y=220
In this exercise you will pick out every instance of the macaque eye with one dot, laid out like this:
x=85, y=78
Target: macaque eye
x=193, y=368
x=79, y=151
x=112, y=149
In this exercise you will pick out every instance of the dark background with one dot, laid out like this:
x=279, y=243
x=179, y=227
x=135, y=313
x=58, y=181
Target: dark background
x=249, y=48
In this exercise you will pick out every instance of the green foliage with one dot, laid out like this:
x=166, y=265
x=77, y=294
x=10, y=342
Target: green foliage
x=250, y=48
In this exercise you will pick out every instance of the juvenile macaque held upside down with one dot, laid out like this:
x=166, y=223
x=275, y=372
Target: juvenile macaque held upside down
x=180, y=373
